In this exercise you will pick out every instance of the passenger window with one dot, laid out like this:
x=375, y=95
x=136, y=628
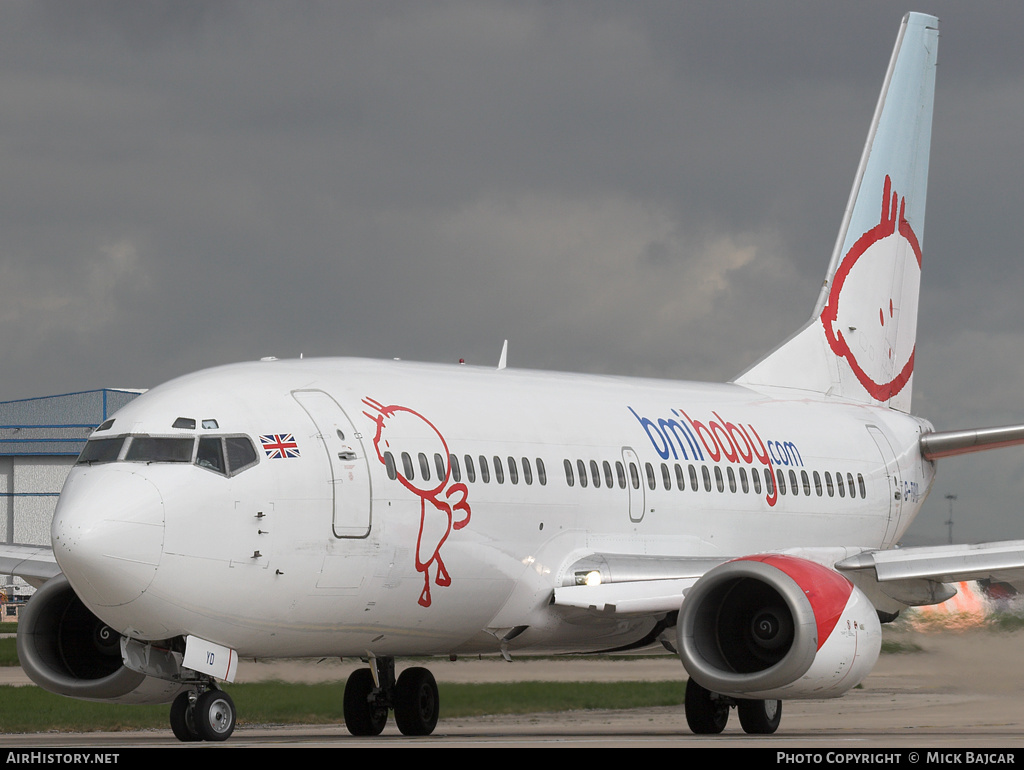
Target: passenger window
x=407, y=466
x=782, y=482
x=850, y=486
x=568, y=472
x=424, y=467
x=499, y=472
x=470, y=470
x=732, y=478
x=389, y=464
x=839, y=485
x=769, y=482
x=620, y=472
x=817, y=483
x=651, y=482
x=792, y=483
x=693, y=478
x=527, y=472
x=608, y=480
x=595, y=474
x=863, y=487
x=453, y=463
x=707, y=477
x=542, y=474
x=513, y=471
x=718, y=479
x=828, y=484
x=807, y=482
x=634, y=475
x=582, y=472
x=743, y=480
x=485, y=473
x=756, y=478
x=680, y=478
x=442, y=471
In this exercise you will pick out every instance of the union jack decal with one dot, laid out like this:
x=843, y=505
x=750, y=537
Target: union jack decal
x=280, y=446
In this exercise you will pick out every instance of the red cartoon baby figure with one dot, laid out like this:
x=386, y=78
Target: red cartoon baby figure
x=443, y=505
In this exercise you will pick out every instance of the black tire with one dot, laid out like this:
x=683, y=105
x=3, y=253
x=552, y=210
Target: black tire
x=364, y=715
x=416, y=702
x=214, y=716
x=705, y=714
x=183, y=723
x=759, y=717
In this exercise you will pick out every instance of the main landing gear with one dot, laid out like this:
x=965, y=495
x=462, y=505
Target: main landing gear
x=203, y=716
x=707, y=712
x=371, y=692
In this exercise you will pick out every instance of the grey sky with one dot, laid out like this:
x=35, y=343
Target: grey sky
x=624, y=187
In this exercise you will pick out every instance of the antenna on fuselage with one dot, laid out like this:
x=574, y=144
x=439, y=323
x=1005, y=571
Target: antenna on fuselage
x=504, y=356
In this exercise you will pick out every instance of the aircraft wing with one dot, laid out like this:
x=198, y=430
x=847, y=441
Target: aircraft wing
x=631, y=585
x=1001, y=561
x=34, y=564
x=894, y=579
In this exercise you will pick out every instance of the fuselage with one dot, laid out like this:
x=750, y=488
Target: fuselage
x=396, y=509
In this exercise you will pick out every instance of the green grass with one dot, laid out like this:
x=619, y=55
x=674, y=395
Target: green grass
x=30, y=709
x=8, y=652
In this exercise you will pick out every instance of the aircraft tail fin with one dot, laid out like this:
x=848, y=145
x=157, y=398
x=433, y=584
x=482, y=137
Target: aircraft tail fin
x=860, y=341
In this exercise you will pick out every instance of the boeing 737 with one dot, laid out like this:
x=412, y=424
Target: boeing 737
x=381, y=509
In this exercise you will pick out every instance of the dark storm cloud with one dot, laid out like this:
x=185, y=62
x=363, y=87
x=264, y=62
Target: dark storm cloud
x=635, y=188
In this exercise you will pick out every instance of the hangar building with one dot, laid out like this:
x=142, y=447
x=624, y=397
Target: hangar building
x=39, y=441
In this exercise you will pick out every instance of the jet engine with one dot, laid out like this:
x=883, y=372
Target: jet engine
x=67, y=650
x=773, y=627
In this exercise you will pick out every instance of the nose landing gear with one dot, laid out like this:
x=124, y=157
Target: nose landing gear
x=205, y=716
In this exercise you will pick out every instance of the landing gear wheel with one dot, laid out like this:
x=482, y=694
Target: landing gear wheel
x=706, y=714
x=416, y=702
x=364, y=713
x=214, y=716
x=183, y=723
x=760, y=717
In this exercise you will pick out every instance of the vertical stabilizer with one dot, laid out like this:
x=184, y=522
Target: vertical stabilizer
x=859, y=343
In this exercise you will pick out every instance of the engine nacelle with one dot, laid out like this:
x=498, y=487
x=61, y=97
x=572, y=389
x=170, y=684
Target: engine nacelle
x=773, y=627
x=67, y=650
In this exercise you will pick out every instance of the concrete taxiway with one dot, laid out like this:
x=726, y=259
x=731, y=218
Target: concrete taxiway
x=957, y=692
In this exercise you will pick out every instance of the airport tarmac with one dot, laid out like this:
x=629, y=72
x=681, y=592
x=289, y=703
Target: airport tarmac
x=959, y=692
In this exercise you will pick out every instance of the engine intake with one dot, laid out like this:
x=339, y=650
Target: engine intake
x=67, y=650
x=777, y=626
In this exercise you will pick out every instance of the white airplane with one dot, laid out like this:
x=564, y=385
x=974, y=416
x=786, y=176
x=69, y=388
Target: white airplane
x=381, y=510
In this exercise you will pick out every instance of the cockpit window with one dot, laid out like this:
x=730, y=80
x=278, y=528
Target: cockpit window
x=241, y=453
x=226, y=454
x=148, y=449
x=211, y=454
x=101, y=450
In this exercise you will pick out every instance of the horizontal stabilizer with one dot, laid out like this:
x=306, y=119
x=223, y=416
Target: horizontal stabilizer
x=960, y=442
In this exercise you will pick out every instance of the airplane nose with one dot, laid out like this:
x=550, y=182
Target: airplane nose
x=107, y=534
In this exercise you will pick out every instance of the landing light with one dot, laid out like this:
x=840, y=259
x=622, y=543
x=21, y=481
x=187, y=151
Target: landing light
x=592, y=578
